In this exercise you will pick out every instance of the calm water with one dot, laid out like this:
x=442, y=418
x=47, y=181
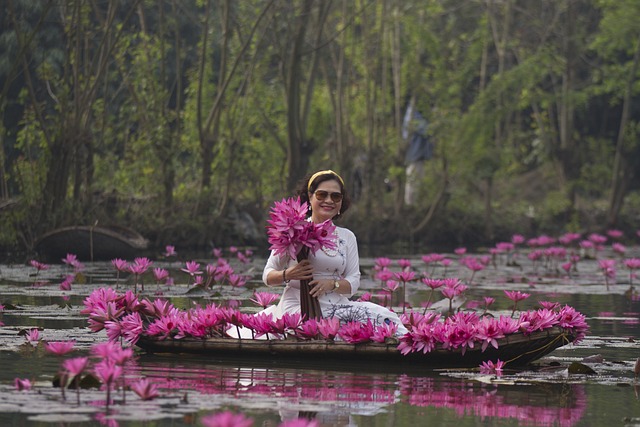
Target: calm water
x=335, y=395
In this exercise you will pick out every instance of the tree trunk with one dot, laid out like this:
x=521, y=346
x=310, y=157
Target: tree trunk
x=298, y=146
x=621, y=173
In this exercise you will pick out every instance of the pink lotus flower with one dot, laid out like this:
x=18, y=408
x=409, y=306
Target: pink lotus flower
x=71, y=260
x=242, y=258
x=516, y=296
x=488, y=367
x=33, y=336
x=160, y=274
x=38, y=265
x=488, y=301
x=632, y=264
x=366, y=296
x=308, y=330
x=226, y=419
x=264, y=299
x=22, y=384
x=120, y=264
x=192, y=268
x=549, y=305
x=405, y=276
x=618, y=248
x=237, y=280
x=391, y=285
x=289, y=231
x=615, y=234
x=517, y=239
x=488, y=331
x=608, y=268
x=356, y=332
x=75, y=366
x=131, y=327
x=108, y=372
x=145, y=389
x=597, y=239
x=460, y=251
x=60, y=348
x=164, y=326
x=328, y=327
x=105, y=349
x=67, y=282
x=170, y=251
x=384, y=331
x=568, y=238
x=382, y=263
x=384, y=275
x=404, y=263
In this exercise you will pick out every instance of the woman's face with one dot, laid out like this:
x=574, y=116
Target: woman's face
x=322, y=210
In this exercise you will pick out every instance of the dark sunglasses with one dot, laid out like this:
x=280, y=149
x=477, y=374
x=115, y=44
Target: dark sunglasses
x=321, y=195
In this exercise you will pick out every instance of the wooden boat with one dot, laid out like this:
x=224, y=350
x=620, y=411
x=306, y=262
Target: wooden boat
x=516, y=350
x=91, y=243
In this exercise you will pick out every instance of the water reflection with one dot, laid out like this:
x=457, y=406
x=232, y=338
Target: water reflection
x=335, y=397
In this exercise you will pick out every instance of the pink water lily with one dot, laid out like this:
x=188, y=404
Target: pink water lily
x=308, y=330
x=60, y=348
x=75, y=365
x=108, y=372
x=488, y=332
x=384, y=331
x=328, y=327
x=382, y=263
x=632, y=264
x=145, y=389
x=489, y=367
x=264, y=299
x=170, y=251
x=516, y=296
x=192, y=268
x=22, y=384
x=33, y=336
x=355, y=332
x=39, y=266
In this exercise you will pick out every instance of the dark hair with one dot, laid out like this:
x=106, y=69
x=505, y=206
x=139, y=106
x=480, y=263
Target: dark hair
x=304, y=189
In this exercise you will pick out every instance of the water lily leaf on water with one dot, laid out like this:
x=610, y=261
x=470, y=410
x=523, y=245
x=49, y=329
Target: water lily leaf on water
x=581, y=368
x=595, y=358
x=89, y=381
x=197, y=290
x=492, y=379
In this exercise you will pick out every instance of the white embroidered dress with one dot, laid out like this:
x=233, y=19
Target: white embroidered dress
x=335, y=264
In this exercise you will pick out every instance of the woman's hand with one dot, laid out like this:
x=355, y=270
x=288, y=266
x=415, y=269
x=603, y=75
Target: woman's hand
x=301, y=271
x=321, y=287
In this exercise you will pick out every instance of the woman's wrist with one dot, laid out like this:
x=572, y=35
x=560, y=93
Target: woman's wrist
x=284, y=277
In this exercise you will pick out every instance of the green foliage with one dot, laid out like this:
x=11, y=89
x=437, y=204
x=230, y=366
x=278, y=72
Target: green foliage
x=506, y=105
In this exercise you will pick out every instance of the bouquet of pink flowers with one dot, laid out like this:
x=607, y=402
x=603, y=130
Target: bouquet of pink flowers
x=291, y=233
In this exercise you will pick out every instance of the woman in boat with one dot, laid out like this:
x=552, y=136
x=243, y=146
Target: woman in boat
x=334, y=273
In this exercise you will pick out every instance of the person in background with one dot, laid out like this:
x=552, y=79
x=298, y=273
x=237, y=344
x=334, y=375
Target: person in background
x=334, y=273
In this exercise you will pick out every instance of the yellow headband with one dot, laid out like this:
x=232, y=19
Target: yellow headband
x=327, y=172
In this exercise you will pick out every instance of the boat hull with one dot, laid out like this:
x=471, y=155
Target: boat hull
x=91, y=243
x=516, y=349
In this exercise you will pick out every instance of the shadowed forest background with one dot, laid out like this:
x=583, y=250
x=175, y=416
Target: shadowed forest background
x=185, y=120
